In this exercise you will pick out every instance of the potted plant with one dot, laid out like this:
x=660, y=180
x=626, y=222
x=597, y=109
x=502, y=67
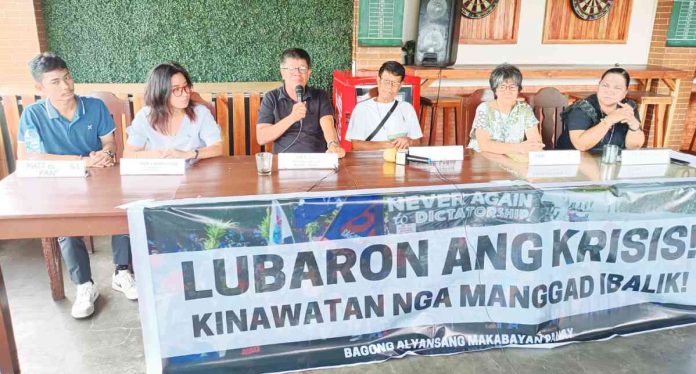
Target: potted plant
x=409, y=49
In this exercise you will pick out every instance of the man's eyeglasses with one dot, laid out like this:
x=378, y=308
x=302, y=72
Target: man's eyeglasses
x=508, y=87
x=390, y=83
x=178, y=91
x=301, y=69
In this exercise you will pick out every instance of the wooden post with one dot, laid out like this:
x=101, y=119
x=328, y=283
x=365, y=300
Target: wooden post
x=9, y=363
x=52, y=257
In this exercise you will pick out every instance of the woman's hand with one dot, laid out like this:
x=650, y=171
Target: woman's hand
x=629, y=117
x=530, y=146
x=173, y=153
x=623, y=113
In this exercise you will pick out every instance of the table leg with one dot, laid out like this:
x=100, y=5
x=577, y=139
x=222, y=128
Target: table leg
x=8, y=350
x=433, y=123
x=89, y=243
x=446, y=129
x=52, y=256
x=659, y=140
x=643, y=111
x=670, y=113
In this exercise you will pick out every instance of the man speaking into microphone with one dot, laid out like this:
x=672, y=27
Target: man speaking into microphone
x=296, y=117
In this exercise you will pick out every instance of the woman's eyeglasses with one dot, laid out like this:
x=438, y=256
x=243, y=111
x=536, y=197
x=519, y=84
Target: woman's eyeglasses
x=508, y=87
x=178, y=91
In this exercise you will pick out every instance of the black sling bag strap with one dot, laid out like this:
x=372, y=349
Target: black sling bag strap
x=384, y=120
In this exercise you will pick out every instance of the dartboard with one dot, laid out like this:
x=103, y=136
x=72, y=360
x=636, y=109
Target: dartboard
x=591, y=10
x=477, y=8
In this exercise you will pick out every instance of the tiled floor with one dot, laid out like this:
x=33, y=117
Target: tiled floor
x=50, y=341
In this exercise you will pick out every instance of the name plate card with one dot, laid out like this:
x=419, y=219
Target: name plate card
x=307, y=161
x=555, y=157
x=439, y=153
x=645, y=156
x=153, y=166
x=50, y=169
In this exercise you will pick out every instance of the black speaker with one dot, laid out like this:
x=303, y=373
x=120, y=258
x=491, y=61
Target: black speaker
x=438, y=32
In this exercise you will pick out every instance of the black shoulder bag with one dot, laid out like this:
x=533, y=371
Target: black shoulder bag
x=384, y=120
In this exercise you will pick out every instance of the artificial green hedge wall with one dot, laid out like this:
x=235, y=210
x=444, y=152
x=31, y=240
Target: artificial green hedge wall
x=119, y=41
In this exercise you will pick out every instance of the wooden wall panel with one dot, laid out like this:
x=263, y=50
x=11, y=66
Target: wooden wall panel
x=499, y=27
x=562, y=26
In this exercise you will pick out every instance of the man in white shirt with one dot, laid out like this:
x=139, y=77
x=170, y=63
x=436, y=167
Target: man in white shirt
x=400, y=129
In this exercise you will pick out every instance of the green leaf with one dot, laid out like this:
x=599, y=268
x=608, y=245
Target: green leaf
x=119, y=41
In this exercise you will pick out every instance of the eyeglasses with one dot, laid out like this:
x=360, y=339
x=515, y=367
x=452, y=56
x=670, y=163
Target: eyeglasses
x=301, y=69
x=390, y=83
x=508, y=87
x=178, y=91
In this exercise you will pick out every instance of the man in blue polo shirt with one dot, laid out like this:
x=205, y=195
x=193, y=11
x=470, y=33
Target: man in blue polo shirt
x=64, y=126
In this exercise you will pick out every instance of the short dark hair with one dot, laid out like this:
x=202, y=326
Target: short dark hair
x=297, y=53
x=502, y=73
x=393, y=68
x=621, y=71
x=44, y=63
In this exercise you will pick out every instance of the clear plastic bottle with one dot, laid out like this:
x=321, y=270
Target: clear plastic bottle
x=33, y=143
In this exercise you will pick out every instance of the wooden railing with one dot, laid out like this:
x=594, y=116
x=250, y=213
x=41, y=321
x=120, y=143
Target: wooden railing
x=234, y=106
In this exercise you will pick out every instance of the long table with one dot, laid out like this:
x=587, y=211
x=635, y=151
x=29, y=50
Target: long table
x=52, y=207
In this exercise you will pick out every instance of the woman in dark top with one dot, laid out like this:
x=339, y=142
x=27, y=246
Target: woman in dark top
x=606, y=117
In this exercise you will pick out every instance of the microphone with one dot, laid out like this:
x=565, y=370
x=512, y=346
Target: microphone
x=419, y=159
x=299, y=91
x=403, y=158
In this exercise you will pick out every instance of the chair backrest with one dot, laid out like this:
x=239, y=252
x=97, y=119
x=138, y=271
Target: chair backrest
x=235, y=113
x=472, y=102
x=691, y=118
x=239, y=130
x=548, y=103
x=12, y=108
x=119, y=107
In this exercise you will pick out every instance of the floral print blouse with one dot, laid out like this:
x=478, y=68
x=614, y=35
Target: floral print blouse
x=503, y=128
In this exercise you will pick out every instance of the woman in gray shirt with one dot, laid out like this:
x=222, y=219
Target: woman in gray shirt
x=171, y=125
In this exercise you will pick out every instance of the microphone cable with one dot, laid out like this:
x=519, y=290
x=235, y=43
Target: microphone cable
x=469, y=244
x=294, y=140
x=299, y=91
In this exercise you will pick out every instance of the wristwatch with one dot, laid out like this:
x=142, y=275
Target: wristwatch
x=195, y=157
x=109, y=153
x=332, y=142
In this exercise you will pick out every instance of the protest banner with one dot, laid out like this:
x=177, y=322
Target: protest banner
x=289, y=282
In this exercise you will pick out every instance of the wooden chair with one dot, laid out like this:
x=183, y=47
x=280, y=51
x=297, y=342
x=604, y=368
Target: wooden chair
x=448, y=105
x=471, y=103
x=645, y=100
x=12, y=108
x=13, y=105
x=548, y=103
x=239, y=131
x=119, y=107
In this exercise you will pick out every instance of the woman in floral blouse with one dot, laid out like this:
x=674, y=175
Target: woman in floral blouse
x=502, y=125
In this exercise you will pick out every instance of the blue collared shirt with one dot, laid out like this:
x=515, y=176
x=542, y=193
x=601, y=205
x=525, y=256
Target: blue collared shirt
x=60, y=136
